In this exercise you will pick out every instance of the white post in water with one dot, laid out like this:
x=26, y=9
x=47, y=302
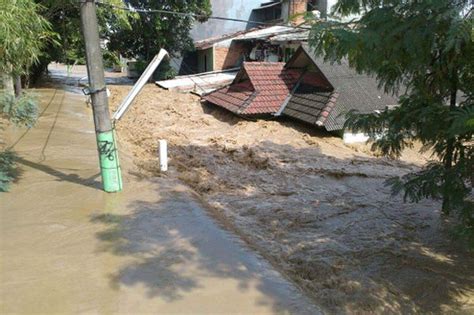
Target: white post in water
x=163, y=156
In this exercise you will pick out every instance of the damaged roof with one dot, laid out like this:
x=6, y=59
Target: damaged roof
x=209, y=42
x=348, y=90
x=268, y=32
x=259, y=88
x=267, y=5
x=305, y=88
x=200, y=83
x=277, y=33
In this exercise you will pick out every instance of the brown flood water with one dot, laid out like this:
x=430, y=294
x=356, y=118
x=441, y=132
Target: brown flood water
x=67, y=247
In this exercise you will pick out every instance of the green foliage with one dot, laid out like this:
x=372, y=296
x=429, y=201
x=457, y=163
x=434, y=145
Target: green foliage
x=65, y=20
x=466, y=229
x=23, y=33
x=130, y=34
x=21, y=111
x=151, y=32
x=165, y=71
x=8, y=171
x=110, y=59
x=424, y=52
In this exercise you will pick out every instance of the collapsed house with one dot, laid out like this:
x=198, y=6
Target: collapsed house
x=271, y=43
x=226, y=45
x=306, y=88
x=218, y=59
x=344, y=90
x=260, y=88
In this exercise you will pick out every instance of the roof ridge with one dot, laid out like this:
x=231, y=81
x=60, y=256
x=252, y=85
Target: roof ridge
x=323, y=116
x=248, y=102
x=263, y=62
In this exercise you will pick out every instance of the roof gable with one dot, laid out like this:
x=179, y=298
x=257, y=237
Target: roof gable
x=355, y=91
x=270, y=83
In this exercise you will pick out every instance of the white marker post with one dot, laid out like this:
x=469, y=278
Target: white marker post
x=163, y=156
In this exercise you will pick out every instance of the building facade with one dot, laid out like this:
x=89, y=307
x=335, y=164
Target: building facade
x=238, y=9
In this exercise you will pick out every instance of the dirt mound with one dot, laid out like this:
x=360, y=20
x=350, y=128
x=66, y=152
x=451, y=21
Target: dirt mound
x=315, y=207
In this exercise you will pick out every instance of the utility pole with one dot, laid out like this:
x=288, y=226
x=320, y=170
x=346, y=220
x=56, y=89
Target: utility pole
x=104, y=129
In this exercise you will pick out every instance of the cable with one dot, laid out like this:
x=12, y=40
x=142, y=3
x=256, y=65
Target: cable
x=190, y=77
x=43, y=150
x=220, y=18
x=39, y=116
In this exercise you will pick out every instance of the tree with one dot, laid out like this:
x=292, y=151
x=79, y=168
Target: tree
x=22, y=35
x=149, y=32
x=64, y=18
x=424, y=52
x=130, y=34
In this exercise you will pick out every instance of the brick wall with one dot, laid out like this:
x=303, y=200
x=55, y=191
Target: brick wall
x=228, y=57
x=297, y=10
x=298, y=7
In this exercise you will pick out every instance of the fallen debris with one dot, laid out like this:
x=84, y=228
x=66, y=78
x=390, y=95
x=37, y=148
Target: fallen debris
x=199, y=83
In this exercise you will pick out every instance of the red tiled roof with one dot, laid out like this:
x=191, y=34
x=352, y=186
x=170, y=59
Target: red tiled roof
x=232, y=97
x=265, y=90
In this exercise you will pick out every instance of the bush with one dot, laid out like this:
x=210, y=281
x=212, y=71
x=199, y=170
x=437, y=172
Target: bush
x=164, y=71
x=8, y=170
x=22, y=112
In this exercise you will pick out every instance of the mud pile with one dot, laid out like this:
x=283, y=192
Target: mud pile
x=316, y=208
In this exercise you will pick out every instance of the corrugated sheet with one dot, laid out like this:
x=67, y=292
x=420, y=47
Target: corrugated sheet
x=200, y=83
x=267, y=32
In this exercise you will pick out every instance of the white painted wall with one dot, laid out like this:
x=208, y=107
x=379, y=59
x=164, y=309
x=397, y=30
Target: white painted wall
x=239, y=9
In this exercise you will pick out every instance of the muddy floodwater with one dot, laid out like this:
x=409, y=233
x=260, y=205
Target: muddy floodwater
x=67, y=247
x=316, y=208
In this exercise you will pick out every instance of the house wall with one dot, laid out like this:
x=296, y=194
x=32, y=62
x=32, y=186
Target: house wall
x=239, y=9
x=293, y=11
x=298, y=7
x=292, y=8
x=226, y=57
x=205, y=60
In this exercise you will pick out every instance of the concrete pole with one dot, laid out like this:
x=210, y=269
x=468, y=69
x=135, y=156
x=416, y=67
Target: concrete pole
x=108, y=155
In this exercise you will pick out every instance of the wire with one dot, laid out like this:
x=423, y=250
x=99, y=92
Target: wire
x=29, y=128
x=43, y=150
x=220, y=18
x=190, y=77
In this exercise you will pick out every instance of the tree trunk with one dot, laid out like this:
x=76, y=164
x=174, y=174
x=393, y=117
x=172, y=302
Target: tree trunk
x=18, y=87
x=7, y=83
x=448, y=160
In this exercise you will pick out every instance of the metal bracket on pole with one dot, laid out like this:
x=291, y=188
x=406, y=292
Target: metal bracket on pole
x=140, y=84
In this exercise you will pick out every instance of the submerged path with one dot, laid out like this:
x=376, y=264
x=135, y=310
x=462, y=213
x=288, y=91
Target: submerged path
x=67, y=247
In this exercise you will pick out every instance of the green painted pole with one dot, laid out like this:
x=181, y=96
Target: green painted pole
x=105, y=133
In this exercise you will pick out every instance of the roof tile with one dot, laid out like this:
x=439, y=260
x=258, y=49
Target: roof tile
x=267, y=87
